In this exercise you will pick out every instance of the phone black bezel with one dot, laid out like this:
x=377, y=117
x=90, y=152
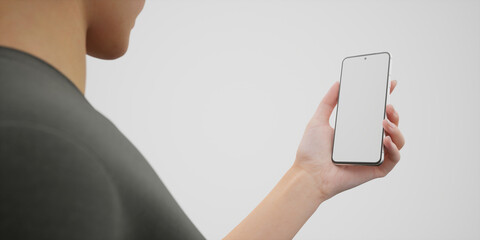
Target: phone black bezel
x=380, y=161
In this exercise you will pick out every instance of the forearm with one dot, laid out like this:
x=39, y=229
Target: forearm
x=284, y=211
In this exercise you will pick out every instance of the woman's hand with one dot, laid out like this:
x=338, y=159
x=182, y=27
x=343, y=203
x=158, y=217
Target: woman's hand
x=315, y=150
x=313, y=178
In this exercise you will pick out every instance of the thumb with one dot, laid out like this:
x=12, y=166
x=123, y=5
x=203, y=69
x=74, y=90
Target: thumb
x=326, y=106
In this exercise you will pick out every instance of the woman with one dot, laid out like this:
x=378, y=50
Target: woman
x=66, y=172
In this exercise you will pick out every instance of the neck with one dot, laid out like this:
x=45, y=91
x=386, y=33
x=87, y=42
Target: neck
x=54, y=31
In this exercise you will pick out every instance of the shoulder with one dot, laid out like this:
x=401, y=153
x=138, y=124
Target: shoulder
x=53, y=185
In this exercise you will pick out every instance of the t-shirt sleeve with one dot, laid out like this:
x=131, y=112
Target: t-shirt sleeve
x=51, y=187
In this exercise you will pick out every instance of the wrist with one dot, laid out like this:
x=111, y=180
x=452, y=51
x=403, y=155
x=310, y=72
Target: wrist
x=307, y=183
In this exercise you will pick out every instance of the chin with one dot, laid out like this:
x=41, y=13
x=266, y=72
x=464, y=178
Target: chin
x=108, y=53
x=107, y=50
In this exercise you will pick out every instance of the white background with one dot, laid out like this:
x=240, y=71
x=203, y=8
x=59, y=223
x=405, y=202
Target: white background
x=216, y=95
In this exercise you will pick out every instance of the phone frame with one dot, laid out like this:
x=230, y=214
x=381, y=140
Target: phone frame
x=380, y=161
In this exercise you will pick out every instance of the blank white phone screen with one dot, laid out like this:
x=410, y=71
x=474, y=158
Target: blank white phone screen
x=361, y=109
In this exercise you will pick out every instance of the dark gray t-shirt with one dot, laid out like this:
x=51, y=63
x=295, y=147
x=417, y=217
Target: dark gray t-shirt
x=66, y=172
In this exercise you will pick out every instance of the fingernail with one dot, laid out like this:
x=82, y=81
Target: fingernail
x=390, y=124
x=392, y=144
x=387, y=139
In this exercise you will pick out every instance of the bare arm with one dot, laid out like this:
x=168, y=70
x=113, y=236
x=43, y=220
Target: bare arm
x=313, y=178
x=284, y=211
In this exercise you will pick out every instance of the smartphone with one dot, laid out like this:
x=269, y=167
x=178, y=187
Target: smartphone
x=361, y=108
